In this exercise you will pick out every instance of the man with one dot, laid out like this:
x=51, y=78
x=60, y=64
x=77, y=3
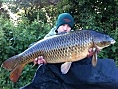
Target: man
x=82, y=75
x=64, y=24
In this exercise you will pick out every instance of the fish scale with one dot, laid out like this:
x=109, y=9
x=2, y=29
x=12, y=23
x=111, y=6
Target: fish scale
x=61, y=48
x=68, y=51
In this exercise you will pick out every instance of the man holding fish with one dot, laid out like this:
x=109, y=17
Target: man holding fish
x=64, y=24
x=67, y=58
x=65, y=75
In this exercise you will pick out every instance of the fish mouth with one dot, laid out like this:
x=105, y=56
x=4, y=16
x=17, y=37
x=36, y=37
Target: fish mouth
x=111, y=43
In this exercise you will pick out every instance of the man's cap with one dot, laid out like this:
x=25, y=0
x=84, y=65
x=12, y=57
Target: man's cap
x=65, y=18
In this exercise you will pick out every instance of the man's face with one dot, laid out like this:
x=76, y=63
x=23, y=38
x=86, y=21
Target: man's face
x=64, y=28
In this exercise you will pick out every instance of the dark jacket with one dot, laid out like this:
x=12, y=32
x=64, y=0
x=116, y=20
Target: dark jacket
x=82, y=75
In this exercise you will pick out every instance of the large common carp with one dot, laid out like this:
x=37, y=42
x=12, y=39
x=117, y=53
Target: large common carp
x=66, y=48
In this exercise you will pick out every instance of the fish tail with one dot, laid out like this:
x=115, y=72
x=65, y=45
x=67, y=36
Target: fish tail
x=10, y=63
x=16, y=72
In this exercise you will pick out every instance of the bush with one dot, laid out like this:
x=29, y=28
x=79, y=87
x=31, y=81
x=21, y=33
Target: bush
x=14, y=40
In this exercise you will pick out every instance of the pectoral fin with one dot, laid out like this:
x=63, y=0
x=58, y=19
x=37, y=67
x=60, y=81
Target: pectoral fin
x=65, y=67
x=16, y=72
x=94, y=58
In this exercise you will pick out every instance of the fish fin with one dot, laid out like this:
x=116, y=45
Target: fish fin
x=10, y=63
x=65, y=67
x=94, y=58
x=16, y=72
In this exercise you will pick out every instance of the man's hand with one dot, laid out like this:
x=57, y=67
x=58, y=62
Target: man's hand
x=92, y=51
x=39, y=60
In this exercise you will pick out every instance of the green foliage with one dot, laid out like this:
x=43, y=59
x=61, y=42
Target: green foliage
x=14, y=40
